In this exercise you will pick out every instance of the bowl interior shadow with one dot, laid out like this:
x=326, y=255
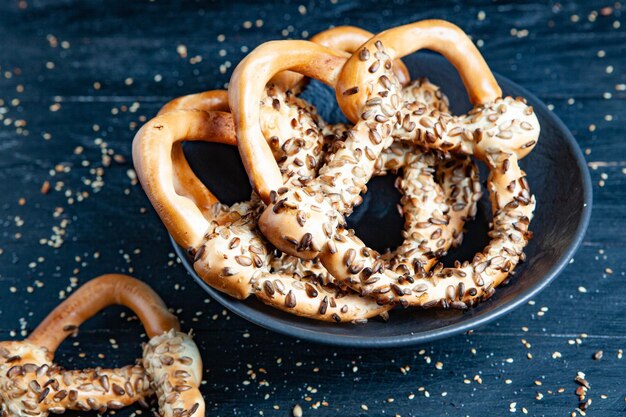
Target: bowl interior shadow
x=557, y=176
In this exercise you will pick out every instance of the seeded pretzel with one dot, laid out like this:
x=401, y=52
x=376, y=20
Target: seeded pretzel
x=32, y=385
x=430, y=214
x=498, y=131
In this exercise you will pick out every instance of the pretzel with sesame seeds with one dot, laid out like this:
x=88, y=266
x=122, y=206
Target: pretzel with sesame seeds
x=498, y=131
x=31, y=384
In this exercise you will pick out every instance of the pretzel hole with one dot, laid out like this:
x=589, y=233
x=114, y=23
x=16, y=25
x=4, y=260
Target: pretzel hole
x=220, y=169
x=91, y=346
x=377, y=220
x=323, y=98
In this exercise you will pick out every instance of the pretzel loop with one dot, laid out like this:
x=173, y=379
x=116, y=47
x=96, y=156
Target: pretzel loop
x=184, y=215
x=437, y=35
x=247, y=85
x=96, y=295
x=341, y=38
x=508, y=124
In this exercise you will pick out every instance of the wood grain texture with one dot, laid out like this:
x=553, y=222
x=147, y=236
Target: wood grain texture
x=57, y=125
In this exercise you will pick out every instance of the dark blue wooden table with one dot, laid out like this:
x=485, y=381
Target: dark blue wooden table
x=78, y=77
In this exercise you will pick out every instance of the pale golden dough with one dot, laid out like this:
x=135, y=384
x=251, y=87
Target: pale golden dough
x=341, y=38
x=436, y=35
x=183, y=216
x=94, y=296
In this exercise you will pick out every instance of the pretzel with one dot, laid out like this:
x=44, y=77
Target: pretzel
x=503, y=131
x=31, y=384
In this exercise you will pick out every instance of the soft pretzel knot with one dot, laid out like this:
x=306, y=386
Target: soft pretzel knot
x=31, y=384
x=308, y=222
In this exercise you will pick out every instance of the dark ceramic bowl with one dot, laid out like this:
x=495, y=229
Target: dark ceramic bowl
x=557, y=175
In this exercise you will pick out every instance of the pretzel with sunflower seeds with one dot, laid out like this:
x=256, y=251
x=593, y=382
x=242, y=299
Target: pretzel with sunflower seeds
x=498, y=130
x=31, y=384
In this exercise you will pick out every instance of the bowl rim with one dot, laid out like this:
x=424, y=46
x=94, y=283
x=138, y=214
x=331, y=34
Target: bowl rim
x=412, y=339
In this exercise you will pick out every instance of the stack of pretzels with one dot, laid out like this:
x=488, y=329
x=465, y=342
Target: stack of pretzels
x=289, y=244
